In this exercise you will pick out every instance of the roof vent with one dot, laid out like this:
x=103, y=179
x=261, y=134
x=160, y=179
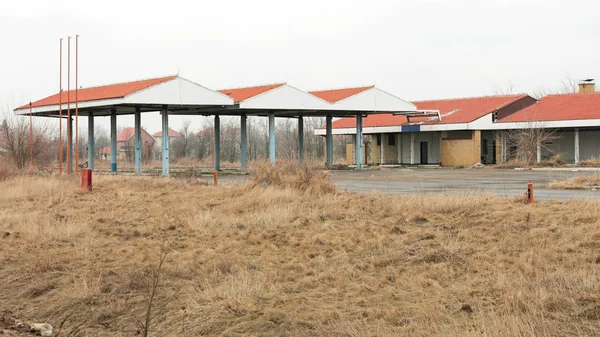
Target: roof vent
x=587, y=86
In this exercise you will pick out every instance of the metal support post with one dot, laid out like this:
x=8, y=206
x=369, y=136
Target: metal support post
x=272, y=138
x=300, y=139
x=165, y=142
x=244, y=141
x=138, y=141
x=329, y=141
x=91, y=150
x=359, y=142
x=217, y=148
x=113, y=141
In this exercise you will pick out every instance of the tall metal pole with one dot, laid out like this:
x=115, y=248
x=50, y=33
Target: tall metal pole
x=76, y=103
x=60, y=137
x=69, y=124
x=30, y=133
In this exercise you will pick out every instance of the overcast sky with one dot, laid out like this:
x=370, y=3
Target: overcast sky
x=415, y=49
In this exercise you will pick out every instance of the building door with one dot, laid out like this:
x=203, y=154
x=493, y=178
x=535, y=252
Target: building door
x=424, y=154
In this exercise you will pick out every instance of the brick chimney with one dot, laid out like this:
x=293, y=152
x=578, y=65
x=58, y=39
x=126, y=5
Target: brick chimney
x=587, y=86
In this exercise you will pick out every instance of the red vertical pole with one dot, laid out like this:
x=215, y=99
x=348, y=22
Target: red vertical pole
x=69, y=131
x=76, y=103
x=30, y=133
x=530, y=198
x=60, y=144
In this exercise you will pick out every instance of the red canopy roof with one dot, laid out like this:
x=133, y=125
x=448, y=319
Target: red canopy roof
x=118, y=90
x=242, y=94
x=335, y=95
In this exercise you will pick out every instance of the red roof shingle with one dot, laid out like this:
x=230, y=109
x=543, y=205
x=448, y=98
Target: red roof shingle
x=242, y=94
x=118, y=90
x=458, y=110
x=335, y=95
x=559, y=107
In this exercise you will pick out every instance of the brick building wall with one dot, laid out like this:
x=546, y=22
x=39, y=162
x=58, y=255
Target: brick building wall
x=461, y=152
x=390, y=153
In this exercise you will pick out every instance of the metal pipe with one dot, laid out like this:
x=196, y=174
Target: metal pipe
x=76, y=103
x=60, y=137
x=69, y=124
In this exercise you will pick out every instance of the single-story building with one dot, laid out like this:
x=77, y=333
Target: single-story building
x=467, y=131
x=457, y=136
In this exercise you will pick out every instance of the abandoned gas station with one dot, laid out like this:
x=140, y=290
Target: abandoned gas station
x=174, y=95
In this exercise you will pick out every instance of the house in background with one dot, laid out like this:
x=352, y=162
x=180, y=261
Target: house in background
x=126, y=146
x=172, y=136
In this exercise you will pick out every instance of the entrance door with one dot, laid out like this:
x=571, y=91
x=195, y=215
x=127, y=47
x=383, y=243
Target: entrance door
x=424, y=154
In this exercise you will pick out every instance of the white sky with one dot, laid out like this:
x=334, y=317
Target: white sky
x=415, y=49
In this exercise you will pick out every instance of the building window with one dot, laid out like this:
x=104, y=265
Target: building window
x=379, y=140
x=392, y=140
x=462, y=134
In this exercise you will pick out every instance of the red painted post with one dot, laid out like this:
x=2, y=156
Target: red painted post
x=86, y=179
x=216, y=174
x=530, y=198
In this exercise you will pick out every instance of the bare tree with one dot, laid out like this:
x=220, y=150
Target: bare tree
x=527, y=141
x=15, y=139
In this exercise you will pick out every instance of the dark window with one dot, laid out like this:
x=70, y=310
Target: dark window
x=392, y=140
x=378, y=140
x=459, y=134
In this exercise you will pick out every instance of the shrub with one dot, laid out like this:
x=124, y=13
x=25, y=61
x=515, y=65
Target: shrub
x=7, y=170
x=306, y=177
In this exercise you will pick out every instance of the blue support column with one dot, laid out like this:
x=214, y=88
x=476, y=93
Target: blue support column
x=359, y=142
x=300, y=139
x=113, y=141
x=217, y=148
x=91, y=149
x=329, y=141
x=70, y=145
x=165, y=142
x=138, y=140
x=244, y=142
x=272, y=138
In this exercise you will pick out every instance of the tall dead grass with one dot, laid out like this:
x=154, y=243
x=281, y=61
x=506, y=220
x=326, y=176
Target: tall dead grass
x=307, y=177
x=285, y=262
x=576, y=183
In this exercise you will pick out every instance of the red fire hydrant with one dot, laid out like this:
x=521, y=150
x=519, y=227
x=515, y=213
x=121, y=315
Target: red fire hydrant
x=86, y=179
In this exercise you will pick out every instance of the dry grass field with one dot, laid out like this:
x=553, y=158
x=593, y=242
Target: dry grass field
x=292, y=259
x=577, y=183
